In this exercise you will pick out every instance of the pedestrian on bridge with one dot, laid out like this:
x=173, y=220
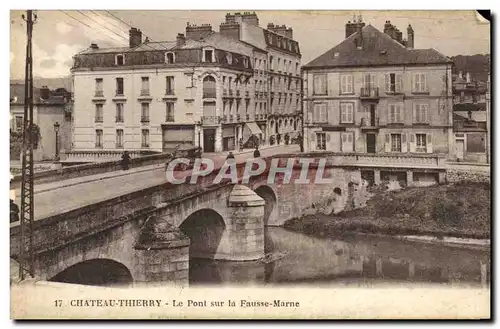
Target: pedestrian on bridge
x=256, y=153
x=125, y=160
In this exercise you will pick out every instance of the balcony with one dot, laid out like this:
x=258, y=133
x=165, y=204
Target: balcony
x=209, y=94
x=247, y=94
x=145, y=92
x=230, y=118
x=119, y=119
x=237, y=93
x=119, y=93
x=369, y=94
x=99, y=93
x=169, y=118
x=210, y=120
x=224, y=93
x=370, y=124
x=169, y=92
x=99, y=120
x=230, y=93
x=144, y=119
x=248, y=117
x=237, y=118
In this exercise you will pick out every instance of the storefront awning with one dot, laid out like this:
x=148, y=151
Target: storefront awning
x=250, y=129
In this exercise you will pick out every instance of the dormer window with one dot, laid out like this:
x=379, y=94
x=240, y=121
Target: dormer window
x=119, y=60
x=169, y=58
x=208, y=55
x=229, y=58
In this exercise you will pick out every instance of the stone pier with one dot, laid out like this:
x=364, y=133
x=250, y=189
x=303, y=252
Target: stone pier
x=162, y=253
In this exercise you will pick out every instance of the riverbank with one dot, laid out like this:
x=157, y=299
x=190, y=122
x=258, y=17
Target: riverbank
x=459, y=210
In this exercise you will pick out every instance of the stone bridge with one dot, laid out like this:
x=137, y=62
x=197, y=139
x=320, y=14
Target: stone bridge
x=150, y=235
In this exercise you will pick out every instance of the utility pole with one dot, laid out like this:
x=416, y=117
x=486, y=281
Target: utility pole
x=26, y=240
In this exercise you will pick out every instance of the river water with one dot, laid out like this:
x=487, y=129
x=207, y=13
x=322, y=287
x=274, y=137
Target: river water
x=294, y=258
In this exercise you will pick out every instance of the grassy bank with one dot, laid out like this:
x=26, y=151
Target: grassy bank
x=457, y=210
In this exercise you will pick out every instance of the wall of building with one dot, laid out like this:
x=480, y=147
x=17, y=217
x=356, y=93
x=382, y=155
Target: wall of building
x=439, y=113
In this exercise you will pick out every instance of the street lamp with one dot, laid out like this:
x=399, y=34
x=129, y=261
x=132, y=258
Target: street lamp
x=56, y=129
x=200, y=124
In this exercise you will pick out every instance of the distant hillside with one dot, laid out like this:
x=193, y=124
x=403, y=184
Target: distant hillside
x=477, y=65
x=52, y=83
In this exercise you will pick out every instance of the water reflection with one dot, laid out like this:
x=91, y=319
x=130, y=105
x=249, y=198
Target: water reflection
x=294, y=258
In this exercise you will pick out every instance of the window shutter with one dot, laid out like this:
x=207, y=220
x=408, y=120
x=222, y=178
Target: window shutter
x=327, y=137
x=412, y=143
x=399, y=83
x=426, y=113
x=390, y=114
x=414, y=82
x=350, y=78
x=342, y=84
x=387, y=143
x=415, y=115
x=404, y=143
x=401, y=115
x=429, y=143
x=343, y=113
x=313, y=137
x=423, y=82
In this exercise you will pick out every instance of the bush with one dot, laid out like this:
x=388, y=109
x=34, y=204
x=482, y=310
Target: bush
x=446, y=213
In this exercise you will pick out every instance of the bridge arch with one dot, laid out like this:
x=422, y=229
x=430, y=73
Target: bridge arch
x=95, y=272
x=271, y=206
x=205, y=228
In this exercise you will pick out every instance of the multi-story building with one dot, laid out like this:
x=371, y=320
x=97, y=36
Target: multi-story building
x=469, y=119
x=50, y=108
x=375, y=93
x=277, y=77
x=153, y=96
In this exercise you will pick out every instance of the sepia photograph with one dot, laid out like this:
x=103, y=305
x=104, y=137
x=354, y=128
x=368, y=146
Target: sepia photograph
x=250, y=164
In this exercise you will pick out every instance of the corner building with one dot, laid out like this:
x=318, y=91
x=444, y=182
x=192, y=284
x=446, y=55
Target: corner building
x=375, y=93
x=152, y=96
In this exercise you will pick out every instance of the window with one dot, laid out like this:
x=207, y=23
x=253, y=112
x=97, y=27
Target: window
x=119, y=112
x=169, y=58
x=119, y=138
x=393, y=83
x=119, y=86
x=419, y=83
x=368, y=81
x=19, y=123
x=98, y=138
x=245, y=62
x=347, y=142
x=346, y=84
x=321, y=141
x=209, y=87
x=145, y=112
x=297, y=68
x=119, y=60
x=420, y=113
x=169, y=112
x=169, y=87
x=98, y=113
x=395, y=142
x=229, y=58
x=475, y=143
x=421, y=143
x=271, y=63
x=346, y=112
x=145, y=86
x=208, y=55
x=145, y=138
x=319, y=87
x=279, y=64
x=395, y=114
x=98, y=87
x=320, y=112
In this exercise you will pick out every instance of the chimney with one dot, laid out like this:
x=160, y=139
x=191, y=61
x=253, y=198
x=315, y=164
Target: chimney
x=230, y=30
x=181, y=39
x=135, y=37
x=399, y=36
x=94, y=46
x=247, y=17
x=359, y=37
x=411, y=37
x=467, y=77
x=387, y=28
x=45, y=92
x=350, y=28
x=197, y=32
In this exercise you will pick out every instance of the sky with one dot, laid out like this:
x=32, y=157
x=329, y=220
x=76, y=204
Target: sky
x=58, y=35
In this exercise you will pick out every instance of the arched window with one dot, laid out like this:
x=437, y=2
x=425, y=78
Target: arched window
x=169, y=58
x=209, y=87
